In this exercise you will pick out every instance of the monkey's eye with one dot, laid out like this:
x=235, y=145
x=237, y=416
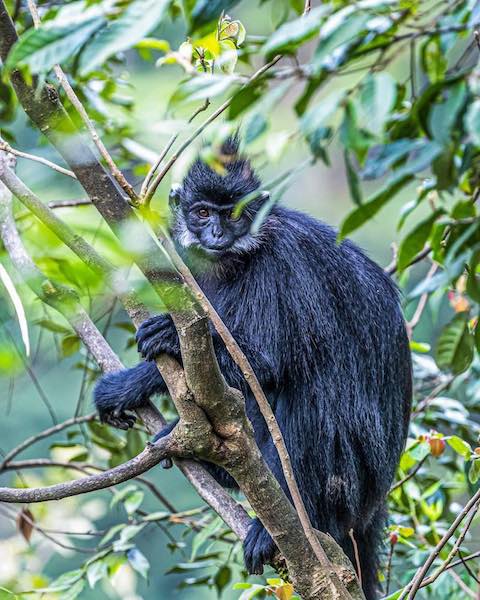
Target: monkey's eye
x=234, y=215
x=203, y=213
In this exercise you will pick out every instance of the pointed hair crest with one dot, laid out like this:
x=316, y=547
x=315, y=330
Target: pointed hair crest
x=202, y=182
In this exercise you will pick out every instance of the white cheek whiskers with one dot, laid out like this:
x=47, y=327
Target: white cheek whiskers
x=182, y=234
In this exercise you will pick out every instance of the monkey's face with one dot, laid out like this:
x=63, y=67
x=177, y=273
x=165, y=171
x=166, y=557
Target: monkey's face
x=217, y=229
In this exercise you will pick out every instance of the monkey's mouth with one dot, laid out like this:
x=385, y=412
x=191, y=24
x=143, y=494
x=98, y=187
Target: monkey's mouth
x=215, y=251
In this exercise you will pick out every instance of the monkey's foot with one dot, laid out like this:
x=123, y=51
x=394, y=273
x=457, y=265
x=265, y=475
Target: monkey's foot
x=258, y=548
x=118, y=417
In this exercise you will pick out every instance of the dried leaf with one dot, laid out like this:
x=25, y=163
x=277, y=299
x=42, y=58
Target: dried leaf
x=25, y=521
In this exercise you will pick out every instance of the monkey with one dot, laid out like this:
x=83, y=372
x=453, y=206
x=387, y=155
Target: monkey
x=322, y=327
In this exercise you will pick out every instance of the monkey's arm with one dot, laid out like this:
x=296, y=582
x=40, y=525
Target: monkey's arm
x=117, y=393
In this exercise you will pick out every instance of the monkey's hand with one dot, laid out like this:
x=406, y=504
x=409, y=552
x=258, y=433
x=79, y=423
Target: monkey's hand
x=156, y=336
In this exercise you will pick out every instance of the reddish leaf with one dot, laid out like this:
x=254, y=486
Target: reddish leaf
x=25, y=521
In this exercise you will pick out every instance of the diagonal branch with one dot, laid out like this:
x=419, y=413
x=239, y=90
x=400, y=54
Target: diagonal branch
x=72, y=96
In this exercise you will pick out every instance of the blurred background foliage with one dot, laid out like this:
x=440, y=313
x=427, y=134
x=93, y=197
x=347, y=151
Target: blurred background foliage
x=371, y=122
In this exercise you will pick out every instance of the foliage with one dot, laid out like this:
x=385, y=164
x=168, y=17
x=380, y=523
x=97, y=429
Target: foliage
x=393, y=88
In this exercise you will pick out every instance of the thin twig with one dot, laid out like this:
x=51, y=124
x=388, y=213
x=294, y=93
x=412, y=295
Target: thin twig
x=148, y=458
x=46, y=534
x=420, y=256
x=422, y=303
x=5, y=146
x=409, y=475
x=357, y=556
x=72, y=96
x=389, y=568
x=414, y=586
x=421, y=406
x=69, y=203
x=44, y=434
x=165, y=151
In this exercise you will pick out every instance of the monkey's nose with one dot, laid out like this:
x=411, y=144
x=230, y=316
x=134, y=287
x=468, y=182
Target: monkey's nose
x=217, y=233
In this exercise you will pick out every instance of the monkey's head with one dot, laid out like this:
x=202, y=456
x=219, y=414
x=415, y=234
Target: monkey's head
x=204, y=205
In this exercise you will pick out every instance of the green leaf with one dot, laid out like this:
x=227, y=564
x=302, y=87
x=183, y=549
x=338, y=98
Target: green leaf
x=122, y=494
x=52, y=326
x=382, y=158
x=254, y=127
x=377, y=98
x=454, y=350
x=420, y=347
x=442, y=117
x=337, y=36
x=202, y=86
x=40, y=49
x=95, y=572
x=70, y=345
x=400, y=177
x=111, y=533
x=472, y=122
x=243, y=99
x=319, y=114
x=352, y=136
x=133, y=501
x=222, y=578
x=474, y=472
x=460, y=446
x=204, y=12
x=73, y=591
x=138, y=20
x=126, y=535
x=138, y=562
x=104, y=437
x=202, y=536
x=369, y=209
x=415, y=241
x=352, y=179
x=290, y=35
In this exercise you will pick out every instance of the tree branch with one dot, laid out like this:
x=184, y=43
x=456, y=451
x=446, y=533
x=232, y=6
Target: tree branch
x=144, y=461
x=7, y=148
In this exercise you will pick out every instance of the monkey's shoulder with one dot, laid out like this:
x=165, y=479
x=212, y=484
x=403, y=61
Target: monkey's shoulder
x=305, y=254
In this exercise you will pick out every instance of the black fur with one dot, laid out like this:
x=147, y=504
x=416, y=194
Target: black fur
x=323, y=330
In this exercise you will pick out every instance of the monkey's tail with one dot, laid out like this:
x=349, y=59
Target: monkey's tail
x=129, y=388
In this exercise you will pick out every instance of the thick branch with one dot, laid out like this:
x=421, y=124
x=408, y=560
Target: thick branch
x=144, y=461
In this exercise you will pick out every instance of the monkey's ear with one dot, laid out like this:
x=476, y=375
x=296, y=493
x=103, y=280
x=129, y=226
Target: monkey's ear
x=175, y=195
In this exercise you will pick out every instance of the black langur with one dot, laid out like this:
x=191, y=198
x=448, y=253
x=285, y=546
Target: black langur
x=322, y=328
